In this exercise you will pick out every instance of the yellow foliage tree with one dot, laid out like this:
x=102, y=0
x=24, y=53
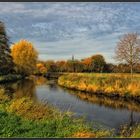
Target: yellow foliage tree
x=24, y=56
x=41, y=68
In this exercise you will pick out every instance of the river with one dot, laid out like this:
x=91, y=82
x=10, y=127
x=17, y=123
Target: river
x=103, y=111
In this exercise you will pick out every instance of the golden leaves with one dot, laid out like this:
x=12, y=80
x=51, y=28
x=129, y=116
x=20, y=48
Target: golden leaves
x=24, y=56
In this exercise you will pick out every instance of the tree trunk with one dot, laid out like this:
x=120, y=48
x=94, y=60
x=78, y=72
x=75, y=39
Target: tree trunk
x=131, y=71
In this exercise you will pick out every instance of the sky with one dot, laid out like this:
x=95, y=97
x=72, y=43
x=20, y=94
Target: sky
x=59, y=30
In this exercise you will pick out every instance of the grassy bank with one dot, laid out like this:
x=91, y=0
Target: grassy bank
x=22, y=117
x=10, y=78
x=108, y=84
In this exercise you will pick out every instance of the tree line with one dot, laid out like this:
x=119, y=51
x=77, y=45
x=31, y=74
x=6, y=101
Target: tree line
x=86, y=65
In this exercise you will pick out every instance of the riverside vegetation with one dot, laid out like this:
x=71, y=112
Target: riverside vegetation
x=122, y=85
x=22, y=117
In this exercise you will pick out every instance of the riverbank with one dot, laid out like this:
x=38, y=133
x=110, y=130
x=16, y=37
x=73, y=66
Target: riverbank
x=10, y=78
x=23, y=117
x=112, y=85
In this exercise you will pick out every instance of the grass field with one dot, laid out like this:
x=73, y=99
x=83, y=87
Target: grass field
x=108, y=84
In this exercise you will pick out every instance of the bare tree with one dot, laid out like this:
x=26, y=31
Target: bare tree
x=128, y=50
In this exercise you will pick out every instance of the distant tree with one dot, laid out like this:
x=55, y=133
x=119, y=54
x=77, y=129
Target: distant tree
x=79, y=67
x=137, y=68
x=95, y=63
x=6, y=63
x=87, y=62
x=41, y=69
x=25, y=57
x=109, y=67
x=69, y=66
x=61, y=66
x=98, y=63
x=51, y=66
x=128, y=50
x=123, y=68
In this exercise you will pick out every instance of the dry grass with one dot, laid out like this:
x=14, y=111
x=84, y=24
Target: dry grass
x=109, y=84
x=27, y=108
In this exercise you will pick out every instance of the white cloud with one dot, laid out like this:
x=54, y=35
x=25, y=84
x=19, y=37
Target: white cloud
x=6, y=7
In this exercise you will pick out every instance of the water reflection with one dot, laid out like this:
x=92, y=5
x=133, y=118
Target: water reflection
x=101, y=100
x=25, y=88
x=20, y=89
x=51, y=84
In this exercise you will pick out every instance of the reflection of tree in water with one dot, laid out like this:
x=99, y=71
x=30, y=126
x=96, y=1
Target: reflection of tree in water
x=40, y=80
x=25, y=88
x=52, y=86
x=127, y=129
x=118, y=103
x=51, y=83
x=19, y=89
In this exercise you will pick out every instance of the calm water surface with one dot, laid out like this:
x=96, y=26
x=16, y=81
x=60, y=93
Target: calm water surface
x=107, y=112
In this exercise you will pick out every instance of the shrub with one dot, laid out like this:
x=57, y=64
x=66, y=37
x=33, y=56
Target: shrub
x=28, y=109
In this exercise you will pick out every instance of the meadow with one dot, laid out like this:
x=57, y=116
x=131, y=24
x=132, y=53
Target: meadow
x=113, y=85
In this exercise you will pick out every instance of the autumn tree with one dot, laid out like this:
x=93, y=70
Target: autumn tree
x=41, y=69
x=24, y=56
x=79, y=67
x=69, y=66
x=87, y=62
x=94, y=63
x=61, y=66
x=128, y=50
x=6, y=63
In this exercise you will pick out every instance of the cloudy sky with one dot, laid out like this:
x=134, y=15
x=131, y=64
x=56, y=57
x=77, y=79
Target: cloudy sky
x=60, y=30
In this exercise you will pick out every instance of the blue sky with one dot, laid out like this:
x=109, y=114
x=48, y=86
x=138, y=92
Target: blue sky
x=60, y=30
